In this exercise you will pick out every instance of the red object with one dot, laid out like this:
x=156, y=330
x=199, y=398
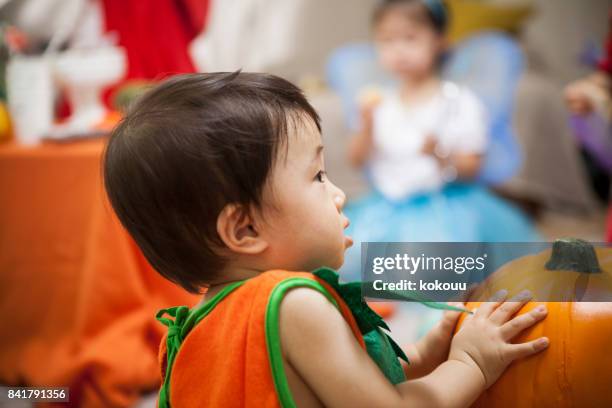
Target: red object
x=606, y=65
x=609, y=229
x=156, y=34
x=15, y=39
x=606, y=62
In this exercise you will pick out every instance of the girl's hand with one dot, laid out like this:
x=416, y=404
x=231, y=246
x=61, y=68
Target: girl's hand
x=366, y=114
x=429, y=146
x=464, y=166
x=483, y=341
x=362, y=144
x=368, y=100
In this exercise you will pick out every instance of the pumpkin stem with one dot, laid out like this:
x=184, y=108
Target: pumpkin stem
x=573, y=254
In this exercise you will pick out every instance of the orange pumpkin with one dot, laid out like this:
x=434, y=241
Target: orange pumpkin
x=576, y=369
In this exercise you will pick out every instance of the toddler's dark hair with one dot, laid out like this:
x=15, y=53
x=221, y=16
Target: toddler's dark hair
x=431, y=12
x=186, y=149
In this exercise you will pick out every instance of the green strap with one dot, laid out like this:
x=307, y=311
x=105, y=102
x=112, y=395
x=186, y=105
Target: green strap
x=367, y=320
x=183, y=322
x=273, y=341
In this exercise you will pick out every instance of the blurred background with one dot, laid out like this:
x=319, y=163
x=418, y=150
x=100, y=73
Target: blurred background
x=77, y=297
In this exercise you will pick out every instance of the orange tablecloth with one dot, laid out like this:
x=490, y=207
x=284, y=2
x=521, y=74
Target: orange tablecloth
x=77, y=299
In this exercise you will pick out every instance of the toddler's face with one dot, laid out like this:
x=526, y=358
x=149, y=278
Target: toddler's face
x=408, y=49
x=305, y=228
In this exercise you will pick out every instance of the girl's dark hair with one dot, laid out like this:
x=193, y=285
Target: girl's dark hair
x=186, y=149
x=433, y=12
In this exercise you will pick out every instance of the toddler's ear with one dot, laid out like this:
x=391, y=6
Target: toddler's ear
x=236, y=229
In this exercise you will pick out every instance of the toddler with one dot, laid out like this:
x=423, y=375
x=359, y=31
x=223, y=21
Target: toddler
x=220, y=179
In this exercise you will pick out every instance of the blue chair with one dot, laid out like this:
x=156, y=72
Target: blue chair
x=489, y=63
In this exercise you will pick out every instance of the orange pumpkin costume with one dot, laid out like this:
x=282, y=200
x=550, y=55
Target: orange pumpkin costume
x=227, y=352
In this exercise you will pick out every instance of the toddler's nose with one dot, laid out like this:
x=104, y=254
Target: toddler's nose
x=340, y=199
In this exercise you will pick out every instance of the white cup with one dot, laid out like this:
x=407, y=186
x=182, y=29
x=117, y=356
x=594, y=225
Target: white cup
x=30, y=90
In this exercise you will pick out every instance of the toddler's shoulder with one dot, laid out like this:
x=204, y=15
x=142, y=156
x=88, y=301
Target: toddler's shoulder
x=304, y=310
x=309, y=300
x=308, y=315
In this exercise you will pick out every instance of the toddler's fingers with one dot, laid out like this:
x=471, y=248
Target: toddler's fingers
x=486, y=308
x=522, y=350
x=509, y=308
x=512, y=328
x=449, y=318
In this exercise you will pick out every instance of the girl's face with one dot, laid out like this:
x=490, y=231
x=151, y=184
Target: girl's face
x=408, y=48
x=305, y=225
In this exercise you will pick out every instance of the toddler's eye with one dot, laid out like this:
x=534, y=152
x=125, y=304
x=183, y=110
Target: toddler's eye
x=321, y=176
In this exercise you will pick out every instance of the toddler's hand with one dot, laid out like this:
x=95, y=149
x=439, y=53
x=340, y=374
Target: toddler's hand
x=484, y=338
x=433, y=347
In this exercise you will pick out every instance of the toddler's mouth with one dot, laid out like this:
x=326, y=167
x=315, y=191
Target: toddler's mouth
x=347, y=222
x=348, y=241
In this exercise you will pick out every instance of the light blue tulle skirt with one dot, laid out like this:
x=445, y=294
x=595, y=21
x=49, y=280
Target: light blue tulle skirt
x=457, y=213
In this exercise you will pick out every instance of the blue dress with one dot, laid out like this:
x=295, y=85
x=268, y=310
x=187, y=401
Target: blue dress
x=457, y=213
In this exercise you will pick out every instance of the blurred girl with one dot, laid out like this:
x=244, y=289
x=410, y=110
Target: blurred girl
x=422, y=144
